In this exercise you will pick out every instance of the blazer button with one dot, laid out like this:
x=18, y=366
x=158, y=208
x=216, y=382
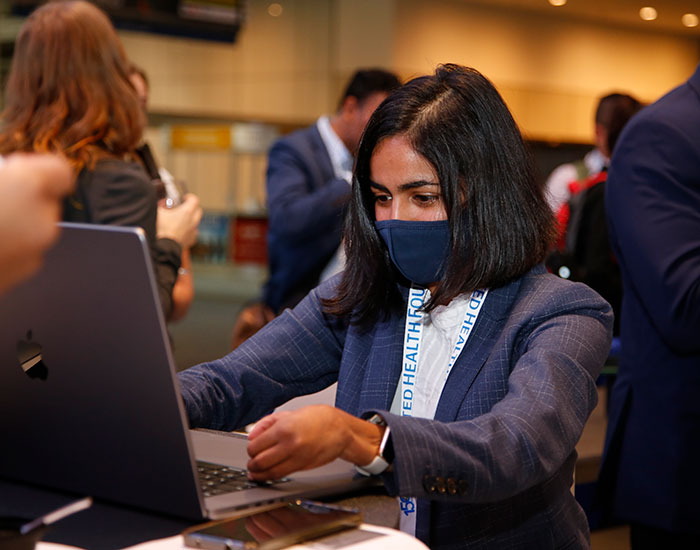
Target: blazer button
x=429, y=483
x=462, y=487
x=441, y=487
x=451, y=485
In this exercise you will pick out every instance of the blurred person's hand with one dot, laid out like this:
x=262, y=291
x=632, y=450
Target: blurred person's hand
x=32, y=187
x=250, y=320
x=180, y=223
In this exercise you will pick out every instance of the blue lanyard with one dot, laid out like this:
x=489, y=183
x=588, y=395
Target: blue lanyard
x=412, y=342
x=411, y=355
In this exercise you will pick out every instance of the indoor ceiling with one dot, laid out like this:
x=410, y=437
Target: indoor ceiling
x=619, y=12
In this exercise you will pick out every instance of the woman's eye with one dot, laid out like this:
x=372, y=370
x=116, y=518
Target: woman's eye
x=426, y=199
x=381, y=199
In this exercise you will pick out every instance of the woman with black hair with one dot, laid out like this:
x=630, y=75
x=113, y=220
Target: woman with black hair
x=465, y=372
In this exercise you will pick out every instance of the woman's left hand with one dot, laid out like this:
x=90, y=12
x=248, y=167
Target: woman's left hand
x=289, y=441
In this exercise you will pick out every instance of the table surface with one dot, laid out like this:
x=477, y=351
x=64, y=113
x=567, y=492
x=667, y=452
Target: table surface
x=109, y=526
x=366, y=537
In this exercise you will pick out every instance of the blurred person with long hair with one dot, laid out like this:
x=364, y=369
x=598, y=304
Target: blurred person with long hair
x=69, y=92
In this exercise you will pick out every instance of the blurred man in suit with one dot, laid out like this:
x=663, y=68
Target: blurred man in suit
x=308, y=188
x=649, y=473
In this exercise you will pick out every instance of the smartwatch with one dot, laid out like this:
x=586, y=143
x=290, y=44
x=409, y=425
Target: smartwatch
x=383, y=460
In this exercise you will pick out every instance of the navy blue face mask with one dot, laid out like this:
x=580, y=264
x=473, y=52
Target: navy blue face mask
x=419, y=250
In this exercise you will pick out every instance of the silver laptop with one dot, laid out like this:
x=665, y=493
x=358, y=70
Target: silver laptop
x=89, y=399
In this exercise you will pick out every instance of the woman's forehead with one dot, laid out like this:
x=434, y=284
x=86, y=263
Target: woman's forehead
x=395, y=161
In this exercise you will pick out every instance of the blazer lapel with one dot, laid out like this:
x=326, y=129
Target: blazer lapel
x=384, y=363
x=474, y=355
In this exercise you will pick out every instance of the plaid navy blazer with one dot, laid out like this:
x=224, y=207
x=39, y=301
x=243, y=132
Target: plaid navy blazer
x=495, y=466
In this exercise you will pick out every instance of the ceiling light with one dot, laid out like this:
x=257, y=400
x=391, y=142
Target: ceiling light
x=690, y=20
x=557, y=2
x=648, y=13
x=275, y=10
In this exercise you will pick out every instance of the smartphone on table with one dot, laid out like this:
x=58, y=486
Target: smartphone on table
x=274, y=527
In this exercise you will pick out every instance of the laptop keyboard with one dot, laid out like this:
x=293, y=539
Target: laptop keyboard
x=216, y=479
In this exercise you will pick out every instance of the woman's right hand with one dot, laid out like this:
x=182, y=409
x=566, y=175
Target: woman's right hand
x=180, y=223
x=289, y=441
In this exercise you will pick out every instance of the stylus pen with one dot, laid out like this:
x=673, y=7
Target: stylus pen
x=58, y=514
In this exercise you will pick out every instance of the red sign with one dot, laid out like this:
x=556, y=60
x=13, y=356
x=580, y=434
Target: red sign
x=249, y=240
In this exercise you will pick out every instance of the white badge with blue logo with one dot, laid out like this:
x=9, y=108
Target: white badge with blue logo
x=410, y=402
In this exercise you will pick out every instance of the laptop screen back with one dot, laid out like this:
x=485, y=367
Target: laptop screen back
x=89, y=401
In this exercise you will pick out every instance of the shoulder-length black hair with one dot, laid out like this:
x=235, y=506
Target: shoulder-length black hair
x=500, y=223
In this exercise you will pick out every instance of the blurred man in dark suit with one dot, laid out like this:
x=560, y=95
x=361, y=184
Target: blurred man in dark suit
x=649, y=474
x=308, y=188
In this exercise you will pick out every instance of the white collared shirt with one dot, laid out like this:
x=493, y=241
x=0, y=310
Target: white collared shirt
x=432, y=344
x=341, y=158
x=440, y=329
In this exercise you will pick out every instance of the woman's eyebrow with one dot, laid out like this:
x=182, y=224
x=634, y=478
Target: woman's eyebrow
x=419, y=183
x=404, y=186
x=378, y=186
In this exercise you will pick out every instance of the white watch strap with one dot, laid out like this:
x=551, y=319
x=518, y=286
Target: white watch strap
x=376, y=467
x=379, y=463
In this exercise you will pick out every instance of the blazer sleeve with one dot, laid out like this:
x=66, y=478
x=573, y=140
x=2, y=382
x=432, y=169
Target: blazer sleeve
x=297, y=353
x=528, y=435
x=300, y=204
x=653, y=208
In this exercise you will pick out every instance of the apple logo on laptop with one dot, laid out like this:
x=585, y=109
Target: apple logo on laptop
x=29, y=355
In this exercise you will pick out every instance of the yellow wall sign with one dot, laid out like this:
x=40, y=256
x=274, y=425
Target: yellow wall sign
x=200, y=137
